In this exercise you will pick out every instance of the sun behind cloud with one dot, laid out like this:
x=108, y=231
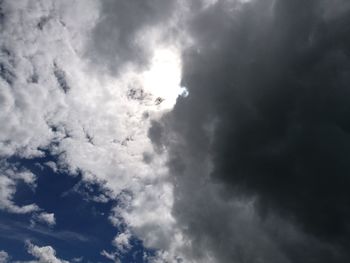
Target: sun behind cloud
x=163, y=77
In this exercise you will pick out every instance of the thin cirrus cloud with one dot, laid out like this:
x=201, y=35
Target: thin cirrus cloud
x=248, y=163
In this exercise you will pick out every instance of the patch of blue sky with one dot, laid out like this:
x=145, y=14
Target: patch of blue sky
x=82, y=226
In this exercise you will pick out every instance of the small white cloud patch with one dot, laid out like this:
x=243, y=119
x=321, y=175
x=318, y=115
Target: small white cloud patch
x=122, y=242
x=52, y=165
x=44, y=218
x=4, y=257
x=110, y=256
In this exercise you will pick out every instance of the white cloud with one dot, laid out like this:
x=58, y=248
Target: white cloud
x=28, y=52
x=44, y=254
x=44, y=218
x=4, y=257
x=111, y=256
x=9, y=176
x=52, y=165
x=122, y=241
x=98, y=122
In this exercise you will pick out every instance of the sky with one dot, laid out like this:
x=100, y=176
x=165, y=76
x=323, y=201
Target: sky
x=174, y=131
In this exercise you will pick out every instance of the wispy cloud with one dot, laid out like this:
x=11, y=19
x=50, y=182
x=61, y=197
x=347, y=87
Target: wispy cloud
x=20, y=231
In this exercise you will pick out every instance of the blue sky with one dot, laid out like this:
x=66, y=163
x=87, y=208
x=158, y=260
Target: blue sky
x=82, y=228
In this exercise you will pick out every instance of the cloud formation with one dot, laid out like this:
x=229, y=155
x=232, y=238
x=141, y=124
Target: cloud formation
x=55, y=100
x=250, y=166
x=44, y=254
x=44, y=218
x=10, y=175
x=128, y=32
x=259, y=149
x=4, y=257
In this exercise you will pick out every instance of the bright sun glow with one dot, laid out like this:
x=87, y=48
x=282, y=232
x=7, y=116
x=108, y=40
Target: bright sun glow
x=163, y=78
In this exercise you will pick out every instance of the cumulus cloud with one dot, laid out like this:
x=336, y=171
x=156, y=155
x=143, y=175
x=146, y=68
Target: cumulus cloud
x=32, y=55
x=44, y=254
x=54, y=99
x=128, y=31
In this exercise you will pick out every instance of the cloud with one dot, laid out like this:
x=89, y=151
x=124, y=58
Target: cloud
x=52, y=165
x=55, y=99
x=80, y=259
x=122, y=241
x=44, y=218
x=127, y=31
x=9, y=177
x=44, y=254
x=18, y=231
x=258, y=151
x=249, y=166
x=30, y=55
x=4, y=257
x=111, y=256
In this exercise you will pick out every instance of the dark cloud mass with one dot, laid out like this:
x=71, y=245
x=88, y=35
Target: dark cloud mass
x=269, y=116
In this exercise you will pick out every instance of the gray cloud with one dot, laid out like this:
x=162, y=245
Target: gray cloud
x=265, y=122
x=124, y=29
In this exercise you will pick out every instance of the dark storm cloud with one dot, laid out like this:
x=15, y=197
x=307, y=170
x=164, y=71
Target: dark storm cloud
x=269, y=106
x=115, y=36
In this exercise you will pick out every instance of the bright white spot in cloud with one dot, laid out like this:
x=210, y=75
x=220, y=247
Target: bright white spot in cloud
x=184, y=92
x=164, y=76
